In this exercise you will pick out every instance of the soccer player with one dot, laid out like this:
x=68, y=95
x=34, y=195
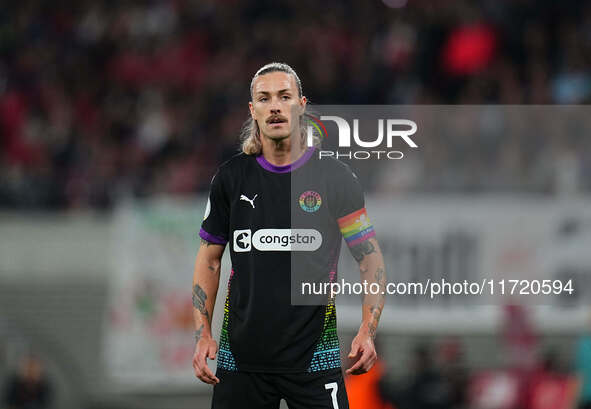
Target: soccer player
x=275, y=203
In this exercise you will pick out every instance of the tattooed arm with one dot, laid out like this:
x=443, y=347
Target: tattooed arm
x=206, y=278
x=371, y=265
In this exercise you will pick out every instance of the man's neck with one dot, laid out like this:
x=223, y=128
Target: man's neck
x=281, y=153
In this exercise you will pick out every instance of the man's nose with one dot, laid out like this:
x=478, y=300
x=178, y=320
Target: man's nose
x=275, y=106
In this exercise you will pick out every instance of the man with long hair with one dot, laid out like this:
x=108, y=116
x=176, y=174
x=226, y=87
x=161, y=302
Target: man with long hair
x=273, y=203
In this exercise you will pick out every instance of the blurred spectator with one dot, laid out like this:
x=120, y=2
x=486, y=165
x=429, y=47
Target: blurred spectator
x=519, y=338
x=520, y=348
x=495, y=389
x=427, y=388
x=453, y=369
x=550, y=387
x=29, y=388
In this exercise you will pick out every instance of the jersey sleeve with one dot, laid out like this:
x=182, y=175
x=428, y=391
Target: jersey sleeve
x=215, y=225
x=351, y=214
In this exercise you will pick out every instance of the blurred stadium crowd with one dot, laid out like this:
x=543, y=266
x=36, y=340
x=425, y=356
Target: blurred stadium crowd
x=529, y=376
x=103, y=99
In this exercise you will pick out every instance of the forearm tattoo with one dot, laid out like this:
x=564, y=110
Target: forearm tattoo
x=376, y=309
x=380, y=276
x=376, y=312
x=198, y=333
x=372, y=329
x=199, y=298
x=362, y=249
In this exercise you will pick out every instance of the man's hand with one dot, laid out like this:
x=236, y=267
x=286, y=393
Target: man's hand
x=206, y=348
x=363, y=348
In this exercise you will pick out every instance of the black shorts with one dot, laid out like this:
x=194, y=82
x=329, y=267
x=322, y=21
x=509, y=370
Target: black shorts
x=253, y=390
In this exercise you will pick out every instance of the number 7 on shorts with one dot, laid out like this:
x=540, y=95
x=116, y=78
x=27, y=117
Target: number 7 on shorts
x=333, y=393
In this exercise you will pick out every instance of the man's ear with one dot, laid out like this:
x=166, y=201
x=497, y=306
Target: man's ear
x=251, y=110
x=303, y=102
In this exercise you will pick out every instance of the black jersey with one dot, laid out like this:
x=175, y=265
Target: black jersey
x=276, y=220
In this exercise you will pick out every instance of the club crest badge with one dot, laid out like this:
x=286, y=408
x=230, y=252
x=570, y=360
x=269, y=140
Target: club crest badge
x=310, y=201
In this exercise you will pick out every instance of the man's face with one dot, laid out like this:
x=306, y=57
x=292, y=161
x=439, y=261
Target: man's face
x=276, y=105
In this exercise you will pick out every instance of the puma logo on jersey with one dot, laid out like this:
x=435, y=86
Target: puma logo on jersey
x=246, y=199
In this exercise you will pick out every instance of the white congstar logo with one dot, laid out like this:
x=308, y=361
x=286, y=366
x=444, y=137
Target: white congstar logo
x=277, y=240
x=246, y=199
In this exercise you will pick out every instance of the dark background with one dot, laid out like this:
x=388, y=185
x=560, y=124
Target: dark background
x=101, y=100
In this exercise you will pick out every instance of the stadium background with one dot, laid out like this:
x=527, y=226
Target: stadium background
x=114, y=115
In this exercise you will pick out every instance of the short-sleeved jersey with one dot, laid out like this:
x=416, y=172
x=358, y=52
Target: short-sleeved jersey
x=280, y=222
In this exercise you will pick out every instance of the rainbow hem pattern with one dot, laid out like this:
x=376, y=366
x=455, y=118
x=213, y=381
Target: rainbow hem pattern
x=356, y=227
x=327, y=352
x=225, y=357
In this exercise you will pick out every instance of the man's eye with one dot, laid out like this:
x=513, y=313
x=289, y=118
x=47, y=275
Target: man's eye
x=262, y=99
x=285, y=97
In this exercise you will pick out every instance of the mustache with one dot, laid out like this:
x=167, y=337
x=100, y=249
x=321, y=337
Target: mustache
x=276, y=118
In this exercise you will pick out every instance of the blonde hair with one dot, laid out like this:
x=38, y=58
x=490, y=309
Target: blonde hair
x=250, y=135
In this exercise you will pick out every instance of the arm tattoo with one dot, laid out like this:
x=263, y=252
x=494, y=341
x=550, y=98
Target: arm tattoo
x=362, y=249
x=199, y=298
x=381, y=276
x=372, y=330
x=376, y=309
x=376, y=312
x=206, y=243
x=198, y=333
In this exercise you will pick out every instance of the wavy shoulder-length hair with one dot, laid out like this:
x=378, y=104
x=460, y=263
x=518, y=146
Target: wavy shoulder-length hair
x=250, y=135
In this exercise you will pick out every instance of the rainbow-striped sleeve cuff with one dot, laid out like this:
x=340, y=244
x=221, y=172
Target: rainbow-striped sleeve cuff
x=356, y=227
